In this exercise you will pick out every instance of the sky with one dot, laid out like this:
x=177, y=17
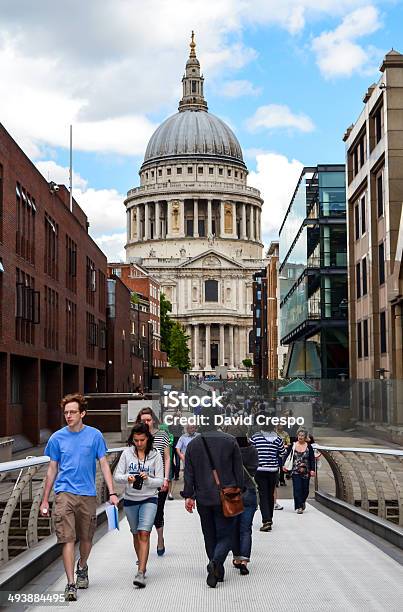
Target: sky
x=288, y=76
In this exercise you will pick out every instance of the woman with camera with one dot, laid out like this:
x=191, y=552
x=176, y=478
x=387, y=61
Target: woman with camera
x=140, y=467
x=301, y=469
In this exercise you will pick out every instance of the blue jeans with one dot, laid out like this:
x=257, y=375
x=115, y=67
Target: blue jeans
x=141, y=516
x=242, y=545
x=218, y=532
x=300, y=490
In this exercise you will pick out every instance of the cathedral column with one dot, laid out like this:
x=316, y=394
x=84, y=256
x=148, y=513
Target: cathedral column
x=234, y=219
x=182, y=218
x=259, y=222
x=157, y=222
x=252, y=223
x=243, y=224
x=138, y=221
x=221, y=355
x=207, y=364
x=231, y=345
x=146, y=221
x=195, y=218
x=196, y=347
x=209, y=219
x=169, y=219
x=222, y=220
x=237, y=359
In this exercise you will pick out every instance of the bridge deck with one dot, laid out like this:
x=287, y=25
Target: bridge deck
x=307, y=562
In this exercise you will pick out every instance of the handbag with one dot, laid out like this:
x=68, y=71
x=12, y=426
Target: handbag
x=289, y=462
x=231, y=497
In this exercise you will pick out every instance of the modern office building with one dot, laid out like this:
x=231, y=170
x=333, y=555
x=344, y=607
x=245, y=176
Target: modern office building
x=196, y=225
x=374, y=150
x=259, y=334
x=313, y=275
x=52, y=300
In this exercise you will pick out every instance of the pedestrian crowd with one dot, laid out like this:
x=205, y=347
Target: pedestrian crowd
x=228, y=474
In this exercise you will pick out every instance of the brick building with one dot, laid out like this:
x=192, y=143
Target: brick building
x=129, y=340
x=52, y=299
x=137, y=279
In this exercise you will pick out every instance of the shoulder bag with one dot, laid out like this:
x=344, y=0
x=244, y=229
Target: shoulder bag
x=231, y=497
x=289, y=462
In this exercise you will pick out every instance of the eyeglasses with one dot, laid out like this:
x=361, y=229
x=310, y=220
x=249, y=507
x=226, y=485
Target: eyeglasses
x=71, y=412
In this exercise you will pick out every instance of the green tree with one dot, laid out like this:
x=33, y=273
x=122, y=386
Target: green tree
x=247, y=363
x=166, y=324
x=179, y=350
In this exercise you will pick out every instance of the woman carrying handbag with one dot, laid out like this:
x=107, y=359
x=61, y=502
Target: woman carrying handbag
x=300, y=462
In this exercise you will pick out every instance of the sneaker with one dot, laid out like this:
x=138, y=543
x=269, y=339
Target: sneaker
x=266, y=527
x=278, y=507
x=300, y=511
x=82, y=577
x=139, y=580
x=70, y=592
x=170, y=496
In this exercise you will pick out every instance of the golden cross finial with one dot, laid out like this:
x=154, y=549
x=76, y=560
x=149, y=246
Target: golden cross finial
x=193, y=46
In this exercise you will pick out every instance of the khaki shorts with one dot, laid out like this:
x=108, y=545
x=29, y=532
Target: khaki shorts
x=74, y=517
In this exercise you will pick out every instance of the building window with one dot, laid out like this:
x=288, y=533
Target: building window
x=364, y=276
x=159, y=171
x=381, y=263
x=51, y=327
x=211, y=291
x=365, y=337
x=382, y=331
x=211, y=170
x=25, y=224
x=169, y=171
x=91, y=281
x=27, y=313
x=71, y=327
x=358, y=279
x=357, y=221
x=359, y=340
x=229, y=172
x=190, y=170
x=51, y=247
x=178, y=170
x=220, y=171
x=379, y=194
x=152, y=173
x=71, y=264
x=200, y=170
x=147, y=175
x=363, y=217
x=236, y=174
x=378, y=124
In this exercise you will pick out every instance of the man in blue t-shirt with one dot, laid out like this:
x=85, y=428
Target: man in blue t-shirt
x=73, y=451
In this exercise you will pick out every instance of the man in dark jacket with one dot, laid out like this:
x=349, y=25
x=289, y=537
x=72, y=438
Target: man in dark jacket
x=218, y=530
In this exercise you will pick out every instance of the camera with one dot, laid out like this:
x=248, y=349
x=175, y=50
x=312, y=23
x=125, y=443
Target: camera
x=137, y=482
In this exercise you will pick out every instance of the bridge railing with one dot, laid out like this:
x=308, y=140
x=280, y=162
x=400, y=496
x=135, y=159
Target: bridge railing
x=368, y=478
x=21, y=489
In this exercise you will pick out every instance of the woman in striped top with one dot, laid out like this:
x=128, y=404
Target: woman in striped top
x=161, y=444
x=270, y=449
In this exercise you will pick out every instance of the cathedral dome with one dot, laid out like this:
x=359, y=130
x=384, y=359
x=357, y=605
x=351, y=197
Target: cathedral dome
x=193, y=132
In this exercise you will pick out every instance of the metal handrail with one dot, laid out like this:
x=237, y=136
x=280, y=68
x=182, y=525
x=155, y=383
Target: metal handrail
x=20, y=464
x=345, y=449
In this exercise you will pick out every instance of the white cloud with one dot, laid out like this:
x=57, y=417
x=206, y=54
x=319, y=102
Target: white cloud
x=103, y=207
x=120, y=60
x=276, y=177
x=236, y=89
x=275, y=116
x=337, y=52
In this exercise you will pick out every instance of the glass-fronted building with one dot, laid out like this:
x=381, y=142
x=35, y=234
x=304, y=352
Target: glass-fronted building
x=313, y=275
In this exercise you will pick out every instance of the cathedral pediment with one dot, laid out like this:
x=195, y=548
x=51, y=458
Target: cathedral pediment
x=211, y=260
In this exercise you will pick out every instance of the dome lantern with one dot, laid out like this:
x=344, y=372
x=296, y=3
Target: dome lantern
x=192, y=83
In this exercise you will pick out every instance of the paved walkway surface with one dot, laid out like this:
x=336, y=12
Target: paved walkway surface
x=308, y=562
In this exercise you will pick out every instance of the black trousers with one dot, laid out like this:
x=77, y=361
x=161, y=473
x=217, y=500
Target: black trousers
x=218, y=532
x=266, y=482
x=159, y=517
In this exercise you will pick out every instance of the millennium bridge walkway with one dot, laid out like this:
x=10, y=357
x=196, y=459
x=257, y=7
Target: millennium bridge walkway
x=318, y=561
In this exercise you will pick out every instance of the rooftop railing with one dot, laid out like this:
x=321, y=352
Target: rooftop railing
x=195, y=186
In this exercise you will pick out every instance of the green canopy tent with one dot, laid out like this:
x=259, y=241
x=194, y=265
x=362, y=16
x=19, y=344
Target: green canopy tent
x=297, y=387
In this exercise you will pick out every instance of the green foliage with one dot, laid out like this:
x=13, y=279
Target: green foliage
x=178, y=349
x=134, y=298
x=247, y=363
x=166, y=323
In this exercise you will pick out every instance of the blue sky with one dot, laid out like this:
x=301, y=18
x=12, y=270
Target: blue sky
x=287, y=75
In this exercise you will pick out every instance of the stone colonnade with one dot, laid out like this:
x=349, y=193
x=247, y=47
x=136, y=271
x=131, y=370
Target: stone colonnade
x=217, y=344
x=194, y=218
